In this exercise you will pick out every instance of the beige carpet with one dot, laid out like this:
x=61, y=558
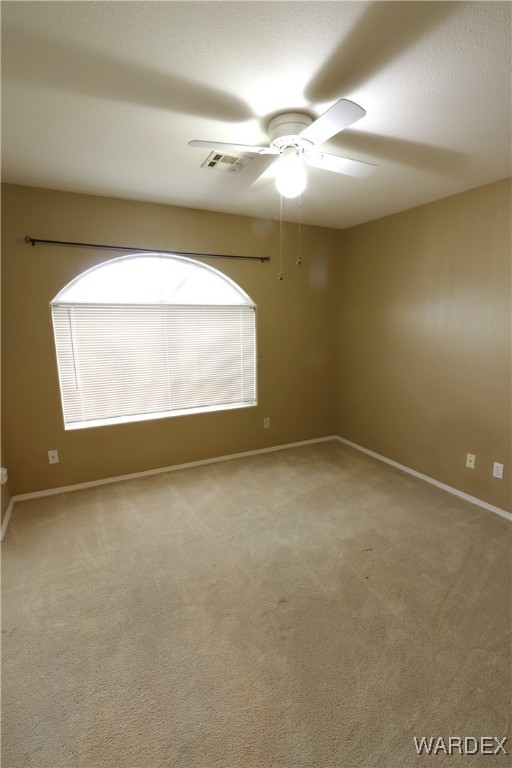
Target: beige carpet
x=309, y=608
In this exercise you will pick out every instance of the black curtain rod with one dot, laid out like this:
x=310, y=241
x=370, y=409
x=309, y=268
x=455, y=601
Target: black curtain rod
x=34, y=240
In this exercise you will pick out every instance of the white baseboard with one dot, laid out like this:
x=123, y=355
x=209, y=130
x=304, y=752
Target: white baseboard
x=6, y=518
x=243, y=454
x=149, y=472
x=443, y=486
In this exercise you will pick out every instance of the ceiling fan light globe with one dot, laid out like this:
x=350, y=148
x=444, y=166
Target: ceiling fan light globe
x=291, y=177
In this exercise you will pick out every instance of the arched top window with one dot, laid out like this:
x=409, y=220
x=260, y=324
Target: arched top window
x=152, y=279
x=152, y=335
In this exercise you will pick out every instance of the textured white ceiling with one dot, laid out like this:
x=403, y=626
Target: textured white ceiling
x=102, y=97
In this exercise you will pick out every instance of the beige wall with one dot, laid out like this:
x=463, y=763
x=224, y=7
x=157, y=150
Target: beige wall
x=424, y=339
x=394, y=334
x=295, y=335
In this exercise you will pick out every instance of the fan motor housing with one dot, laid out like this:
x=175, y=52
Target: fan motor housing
x=285, y=130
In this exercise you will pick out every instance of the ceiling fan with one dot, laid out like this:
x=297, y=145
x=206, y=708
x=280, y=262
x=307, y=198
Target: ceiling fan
x=294, y=136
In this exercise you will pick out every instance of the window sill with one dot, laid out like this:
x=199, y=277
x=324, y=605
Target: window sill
x=151, y=416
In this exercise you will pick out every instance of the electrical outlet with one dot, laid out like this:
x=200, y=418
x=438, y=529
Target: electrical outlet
x=53, y=457
x=497, y=470
x=266, y=423
x=470, y=460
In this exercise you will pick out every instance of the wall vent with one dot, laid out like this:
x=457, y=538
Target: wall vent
x=221, y=162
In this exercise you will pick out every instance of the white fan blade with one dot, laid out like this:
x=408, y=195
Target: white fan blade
x=341, y=165
x=334, y=120
x=227, y=148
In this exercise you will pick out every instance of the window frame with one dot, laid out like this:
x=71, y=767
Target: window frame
x=248, y=377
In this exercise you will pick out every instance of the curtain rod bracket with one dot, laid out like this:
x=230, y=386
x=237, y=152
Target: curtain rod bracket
x=33, y=240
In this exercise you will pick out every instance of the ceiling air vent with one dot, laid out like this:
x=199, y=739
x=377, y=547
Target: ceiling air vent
x=224, y=162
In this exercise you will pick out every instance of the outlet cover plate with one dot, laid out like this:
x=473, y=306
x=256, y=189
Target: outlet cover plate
x=470, y=460
x=497, y=470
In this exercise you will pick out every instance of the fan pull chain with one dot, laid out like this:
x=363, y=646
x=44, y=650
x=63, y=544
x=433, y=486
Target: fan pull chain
x=280, y=275
x=299, y=260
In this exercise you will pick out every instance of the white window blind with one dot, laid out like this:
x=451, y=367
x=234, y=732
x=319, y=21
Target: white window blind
x=123, y=362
